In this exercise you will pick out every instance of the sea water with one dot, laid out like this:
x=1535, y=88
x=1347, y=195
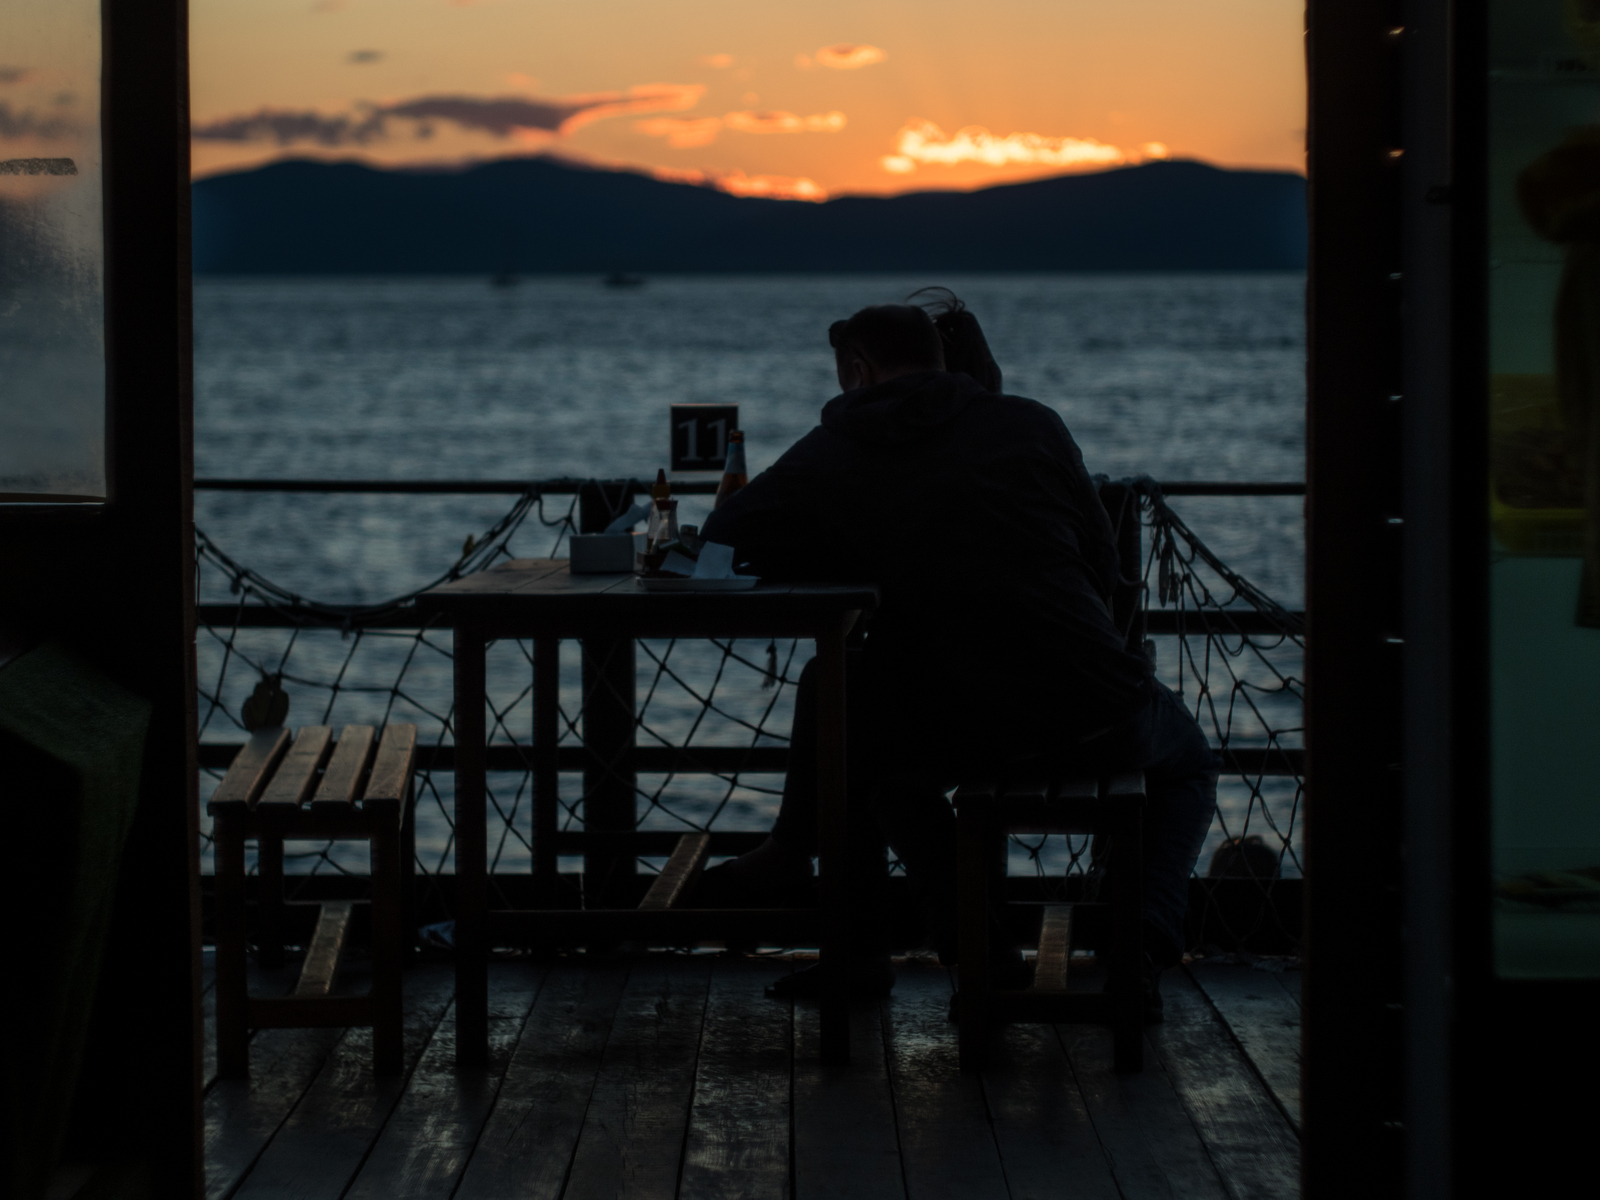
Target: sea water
x=1179, y=377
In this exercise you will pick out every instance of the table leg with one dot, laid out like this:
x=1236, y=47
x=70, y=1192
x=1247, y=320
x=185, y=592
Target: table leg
x=833, y=839
x=546, y=735
x=472, y=851
x=609, y=799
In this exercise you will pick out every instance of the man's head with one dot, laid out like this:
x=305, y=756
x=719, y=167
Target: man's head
x=882, y=342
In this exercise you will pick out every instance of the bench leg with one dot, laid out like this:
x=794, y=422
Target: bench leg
x=1127, y=941
x=387, y=910
x=233, y=1035
x=975, y=864
x=269, y=900
x=408, y=870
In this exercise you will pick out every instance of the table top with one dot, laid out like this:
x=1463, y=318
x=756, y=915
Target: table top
x=541, y=596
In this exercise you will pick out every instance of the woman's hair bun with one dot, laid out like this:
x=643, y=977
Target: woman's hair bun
x=966, y=350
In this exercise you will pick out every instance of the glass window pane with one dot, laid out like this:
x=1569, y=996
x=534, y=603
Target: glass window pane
x=52, y=340
x=1544, y=275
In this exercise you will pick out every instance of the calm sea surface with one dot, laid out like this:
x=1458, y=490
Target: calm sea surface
x=1179, y=377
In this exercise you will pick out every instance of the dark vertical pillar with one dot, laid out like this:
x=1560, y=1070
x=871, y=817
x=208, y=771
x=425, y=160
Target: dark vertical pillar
x=1442, y=491
x=833, y=840
x=546, y=735
x=1353, y=1131
x=609, y=704
x=472, y=852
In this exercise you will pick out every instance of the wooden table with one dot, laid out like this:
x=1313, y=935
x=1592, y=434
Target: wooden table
x=541, y=600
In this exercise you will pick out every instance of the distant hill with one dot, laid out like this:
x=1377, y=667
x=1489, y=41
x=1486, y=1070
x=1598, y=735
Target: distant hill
x=539, y=215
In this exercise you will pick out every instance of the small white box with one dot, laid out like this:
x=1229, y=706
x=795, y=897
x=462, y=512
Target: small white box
x=601, y=553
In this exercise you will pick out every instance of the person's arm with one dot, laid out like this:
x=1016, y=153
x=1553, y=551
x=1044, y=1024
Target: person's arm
x=764, y=520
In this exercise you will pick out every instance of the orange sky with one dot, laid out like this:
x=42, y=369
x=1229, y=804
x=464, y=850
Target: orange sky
x=805, y=98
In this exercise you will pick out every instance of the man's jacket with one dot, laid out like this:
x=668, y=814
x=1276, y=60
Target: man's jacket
x=974, y=515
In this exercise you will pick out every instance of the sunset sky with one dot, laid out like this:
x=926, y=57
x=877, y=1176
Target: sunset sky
x=769, y=97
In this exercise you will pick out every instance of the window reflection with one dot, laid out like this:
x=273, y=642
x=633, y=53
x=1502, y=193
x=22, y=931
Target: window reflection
x=1544, y=260
x=52, y=357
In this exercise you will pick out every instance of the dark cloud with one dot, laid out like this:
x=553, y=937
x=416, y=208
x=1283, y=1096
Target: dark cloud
x=13, y=74
x=286, y=128
x=496, y=116
x=500, y=116
x=21, y=123
x=364, y=56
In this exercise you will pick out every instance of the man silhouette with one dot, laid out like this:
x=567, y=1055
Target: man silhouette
x=993, y=649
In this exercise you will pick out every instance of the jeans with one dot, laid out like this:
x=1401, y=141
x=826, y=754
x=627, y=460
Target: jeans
x=898, y=782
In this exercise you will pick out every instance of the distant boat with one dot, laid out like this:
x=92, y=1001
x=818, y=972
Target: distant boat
x=503, y=279
x=623, y=279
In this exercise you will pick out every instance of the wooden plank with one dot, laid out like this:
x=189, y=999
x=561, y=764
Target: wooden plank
x=327, y=945
x=845, y=1141
x=247, y=775
x=1041, y=1122
x=298, y=772
x=633, y=1134
x=391, y=768
x=947, y=1147
x=325, y=1140
x=425, y=1145
x=679, y=872
x=1251, y=1142
x=738, y=1143
x=1265, y=1021
x=343, y=776
x=527, y=1143
x=1154, y=1149
x=1055, y=949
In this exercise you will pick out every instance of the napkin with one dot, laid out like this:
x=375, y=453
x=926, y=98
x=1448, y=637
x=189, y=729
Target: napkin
x=716, y=562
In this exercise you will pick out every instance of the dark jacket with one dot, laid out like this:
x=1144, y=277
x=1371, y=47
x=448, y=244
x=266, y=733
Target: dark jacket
x=974, y=515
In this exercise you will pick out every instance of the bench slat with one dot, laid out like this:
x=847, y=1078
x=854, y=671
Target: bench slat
x=1055, y=949
x=687, y=859
x=1127, y=784
x=1083, y=788
x=327, y=944
x=292, y=784
x=339, y=782
x=247, y=775
x=391, y=769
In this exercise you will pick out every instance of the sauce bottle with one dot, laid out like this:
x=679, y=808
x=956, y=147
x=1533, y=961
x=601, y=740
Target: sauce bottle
x=734, y=474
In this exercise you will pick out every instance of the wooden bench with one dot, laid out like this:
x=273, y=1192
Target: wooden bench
x=317, y=789
x=988, y=814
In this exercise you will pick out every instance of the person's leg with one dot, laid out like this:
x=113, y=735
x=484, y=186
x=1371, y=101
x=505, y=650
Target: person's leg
x=1180, y=799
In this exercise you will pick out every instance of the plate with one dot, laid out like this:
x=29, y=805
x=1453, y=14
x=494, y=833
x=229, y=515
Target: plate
x=739, y=583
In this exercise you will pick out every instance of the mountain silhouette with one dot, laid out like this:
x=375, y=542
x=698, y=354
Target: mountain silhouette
x=531, y=215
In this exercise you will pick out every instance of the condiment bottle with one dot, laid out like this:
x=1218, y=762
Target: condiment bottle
x=734, y=474
x=660, y=493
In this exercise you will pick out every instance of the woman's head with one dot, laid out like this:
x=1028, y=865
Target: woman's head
x=966, y=350
x=884, y=341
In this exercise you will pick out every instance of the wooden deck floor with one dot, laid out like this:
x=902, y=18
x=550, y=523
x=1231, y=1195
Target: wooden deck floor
x=672, y=1076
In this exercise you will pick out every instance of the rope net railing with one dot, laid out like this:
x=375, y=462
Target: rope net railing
x=1230, y=651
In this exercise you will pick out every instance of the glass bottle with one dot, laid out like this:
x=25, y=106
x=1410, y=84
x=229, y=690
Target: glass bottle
x=734, y=474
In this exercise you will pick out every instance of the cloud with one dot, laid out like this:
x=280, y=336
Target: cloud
x=286, y=128
x=784, y=122
x=502, y=116
x=364, y=56
x=770, y=187
x=715, y=60
x=682, y=132
x=24, y=123
x=924, y=142
x=13, y=74
x=847, y=56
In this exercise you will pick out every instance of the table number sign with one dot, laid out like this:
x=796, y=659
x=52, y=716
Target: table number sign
x=700, y=435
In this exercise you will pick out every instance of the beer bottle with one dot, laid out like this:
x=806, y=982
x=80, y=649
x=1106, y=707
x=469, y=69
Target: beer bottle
x=734, y=475
x=660, y=493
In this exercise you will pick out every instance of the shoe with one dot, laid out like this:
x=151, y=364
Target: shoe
x=871, y=980
x=1012, y=973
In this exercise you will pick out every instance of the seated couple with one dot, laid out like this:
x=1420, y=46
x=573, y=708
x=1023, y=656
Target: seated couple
x=993, y=649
